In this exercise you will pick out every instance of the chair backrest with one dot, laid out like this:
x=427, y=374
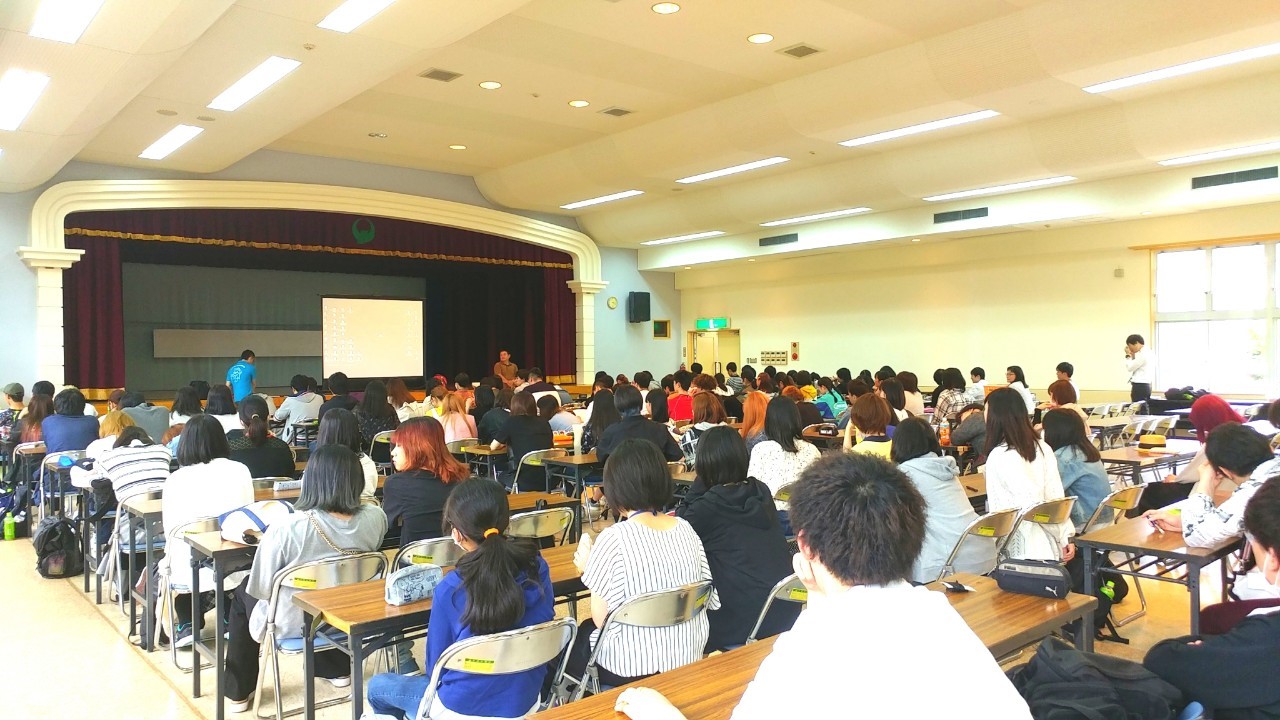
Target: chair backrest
x=1100, y=411
x=1131, y=432
x=662, y=608
x=435, y=551
x=788, y=589
x=1051, y=512
x=327, y=573
x=542, y=523
x=534, y=459
x=1164, y=426
x=1126, y=498
x=505, y=653
x=784, y=493
x=546, y=393
x=455, y=446
x=51, y=460
x=997, y=526
x=23, y=448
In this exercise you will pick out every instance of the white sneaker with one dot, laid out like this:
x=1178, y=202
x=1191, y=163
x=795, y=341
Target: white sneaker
x=239, y=706
x=340, y=682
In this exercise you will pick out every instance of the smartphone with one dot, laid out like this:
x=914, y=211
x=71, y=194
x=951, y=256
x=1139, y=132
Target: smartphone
x=956, y=587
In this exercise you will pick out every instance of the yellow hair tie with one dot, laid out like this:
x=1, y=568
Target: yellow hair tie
x=490, y=531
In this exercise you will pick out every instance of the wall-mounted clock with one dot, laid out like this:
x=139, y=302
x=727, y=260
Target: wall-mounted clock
x=612, y=303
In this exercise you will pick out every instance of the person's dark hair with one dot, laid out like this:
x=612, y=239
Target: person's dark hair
x=1063, y=427
x=495, y=600
x=462, y=381
x=953, y=378
x=39, y=408
x=524, y=404
x=627, y=400
x=765, y=384
x=909, y=382
x=253, y=416
x=43, y=387
x=709, y=410
x=791, y=374
x=1018, y=376
x=522, y=374
x=722, y=457
x=856, y=388
x=484, y=399
x=748, y=373
x=643, y=379
x=865, y=376
x=1262, y=515
x=338, y=383
x=1135, y=339
x=605, y=382
x=334, y=481
x=844, y=374
x=536, y=372
x=1236, y=448
x=548, y=406
x=186, y=402
x=913, y=438
x=893, y=393
x=938, y=375
x=604, y=413
x=69, y=402
x=668, y=383
x=375, y=404
x=782, y=423
x=659, y=410
x=621, y=379
x=339, y=426
x=979, y=373
x=1007, y=424
x=871, y=415
x=1066, y=368
x=134, y=398
x=859, y=516
x=731, y=366
x=719, y=378
x=770, y=370
x=825, y=386
x=247, y=354
x=803, y=378
x=696, y=368
x=783, y=381
x=313, y=385
x=504, y=397
x=202, y=440
x=219, y=402
x=884, y=373
x=636, y=477
x=967, y=408
x=1273, y=413
x=298, y=383
x=683, y=378
x=131, y=433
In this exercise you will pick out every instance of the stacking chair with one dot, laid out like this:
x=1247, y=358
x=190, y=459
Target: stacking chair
x=658, y=609
x=166, y=589
x=50, y=473
x=1052, y=512
x=455, y=447
x=1100, y=411
x=433, y=551
x=380, y=444
x=114, y=569
x=996, y=526
x=317, y=575
x=789, y=589
x=539, y=524
x=1119, y=502
x=534, y=459
x=1163, y=425
x=506, y=653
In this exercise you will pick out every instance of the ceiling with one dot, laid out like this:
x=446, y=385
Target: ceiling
x=701, y=97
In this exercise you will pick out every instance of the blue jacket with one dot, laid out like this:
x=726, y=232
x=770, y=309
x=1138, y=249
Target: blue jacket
x=68, y=432
x=1086, y=480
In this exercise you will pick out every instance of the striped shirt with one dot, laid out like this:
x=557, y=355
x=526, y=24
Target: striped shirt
x=629, y=559
x=135, y=469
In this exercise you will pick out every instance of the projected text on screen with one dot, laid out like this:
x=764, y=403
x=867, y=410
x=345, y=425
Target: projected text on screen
x=372, y=337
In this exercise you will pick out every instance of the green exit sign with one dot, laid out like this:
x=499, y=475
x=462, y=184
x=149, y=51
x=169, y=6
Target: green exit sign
x=720, y=323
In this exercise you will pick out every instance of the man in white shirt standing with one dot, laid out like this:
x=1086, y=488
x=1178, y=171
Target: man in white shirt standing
x=869, y=644
x=1137, y=362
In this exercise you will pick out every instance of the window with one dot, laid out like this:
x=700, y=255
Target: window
x=1218, y=319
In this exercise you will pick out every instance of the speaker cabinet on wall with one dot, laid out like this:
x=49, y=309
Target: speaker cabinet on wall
x=638, y=307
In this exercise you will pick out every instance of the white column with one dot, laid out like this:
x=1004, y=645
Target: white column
x=48, y=265
x=585, y=291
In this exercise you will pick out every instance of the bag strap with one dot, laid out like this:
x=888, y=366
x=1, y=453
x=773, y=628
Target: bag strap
x=315, y=524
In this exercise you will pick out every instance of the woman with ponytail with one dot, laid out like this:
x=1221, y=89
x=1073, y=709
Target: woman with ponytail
x=252, y=445
x=500, y=584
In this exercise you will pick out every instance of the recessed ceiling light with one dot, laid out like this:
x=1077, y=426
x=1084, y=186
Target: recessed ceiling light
x=733, y=170
x=352, y=14
x=760, y=38
x=490, y=85
x=921, y=128
x=578, y=103
x=601, y=199
x=170, y=141
x=457, y=147
x=167, y=113
x=271, y=71
x=688, y=267
x=377, y=135
x=997, y=189
x=666, y=8
x=819, y=216
x=1186, y=68
x=751, y=259
x=64, y=20
x=915, y=239
x=19, y=91
x=1220, y=154
x=684, y=238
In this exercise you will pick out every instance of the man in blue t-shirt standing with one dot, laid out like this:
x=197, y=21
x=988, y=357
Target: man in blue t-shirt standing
x=241, y=376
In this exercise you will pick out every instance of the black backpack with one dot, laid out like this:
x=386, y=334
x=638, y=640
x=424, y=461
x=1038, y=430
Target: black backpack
x=1062, y=683
x=58, y=550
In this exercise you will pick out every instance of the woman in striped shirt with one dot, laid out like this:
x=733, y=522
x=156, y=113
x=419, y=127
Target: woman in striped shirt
x=649, y=552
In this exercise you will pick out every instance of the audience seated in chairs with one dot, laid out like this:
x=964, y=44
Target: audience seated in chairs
x=414, y=497
x=340, y=427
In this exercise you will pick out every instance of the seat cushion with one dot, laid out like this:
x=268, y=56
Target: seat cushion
x=296, y=645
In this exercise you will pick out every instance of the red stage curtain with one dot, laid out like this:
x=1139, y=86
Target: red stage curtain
x=93, y=309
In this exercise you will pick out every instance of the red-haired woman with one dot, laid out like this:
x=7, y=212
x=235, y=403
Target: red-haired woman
x=1207, y=413
x=414, y=496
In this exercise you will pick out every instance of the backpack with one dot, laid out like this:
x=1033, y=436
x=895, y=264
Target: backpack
x=1062, y=683
x=58, y=550
x=1109, y=589
x=15, y=500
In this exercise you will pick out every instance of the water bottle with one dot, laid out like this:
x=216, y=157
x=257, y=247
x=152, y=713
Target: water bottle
x=1109, y=590
x=10, y=527
x=944, y=432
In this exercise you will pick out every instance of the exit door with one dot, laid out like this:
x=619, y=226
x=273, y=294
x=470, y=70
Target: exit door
x=713, y=349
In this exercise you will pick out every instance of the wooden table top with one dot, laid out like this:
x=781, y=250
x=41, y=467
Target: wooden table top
x=1139, y=535
x=1175, y=450
x=975, y=485
x=483, y=450
x=33, y=450
x=813, y=434
x=142, y=505
x=573, y=460
x=684, y=477
x=710, y=689
x=363, y=603
x=211, y=544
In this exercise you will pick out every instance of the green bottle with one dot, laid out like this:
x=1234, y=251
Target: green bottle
x=1109, y=589
x=10, y=528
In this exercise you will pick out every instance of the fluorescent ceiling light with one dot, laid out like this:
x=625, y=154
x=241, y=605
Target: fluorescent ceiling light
x=1186, y=68
x=19, y=91
x=921, y=128
x=1220, y=154
x=248, y=87
x=601, y=199
x=352, y=14
x=819, y=216
x=684, y=238
x=997, y=189
x=172, y=140
x=64, y=20
x=732, y=170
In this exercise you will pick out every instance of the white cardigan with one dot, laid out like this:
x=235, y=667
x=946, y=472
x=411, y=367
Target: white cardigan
x=194, y=492
x=1012, y=482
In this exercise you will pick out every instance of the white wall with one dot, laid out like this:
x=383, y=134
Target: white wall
x=1026, y=298
x=623, y=347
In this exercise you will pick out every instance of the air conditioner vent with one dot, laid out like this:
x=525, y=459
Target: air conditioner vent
x=616, y=111
x=438, y=74
x=779, y=239
x=800, y=51
x=957, y=215
x=1231, y=178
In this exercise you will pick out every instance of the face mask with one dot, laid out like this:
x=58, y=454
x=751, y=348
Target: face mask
x=1257, y=581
